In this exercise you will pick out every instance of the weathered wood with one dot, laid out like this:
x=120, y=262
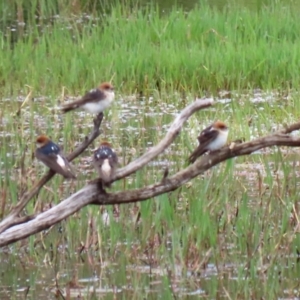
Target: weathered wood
x=92, y=194
x=173, y=131
x=13, y=217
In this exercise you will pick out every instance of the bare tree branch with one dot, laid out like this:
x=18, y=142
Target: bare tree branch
x=291, y=128
x=12, y=218
x=166, y=141
x=173, y=131
x=93, y=194
x=200, y=166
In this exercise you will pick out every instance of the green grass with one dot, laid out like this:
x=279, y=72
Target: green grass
x=222, y=220
x=145, y=50
x=228, y=232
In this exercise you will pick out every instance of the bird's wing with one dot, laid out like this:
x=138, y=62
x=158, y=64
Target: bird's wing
x=205, y=138
x=114, y=161
x=201, y=149
x=207, y=135
x=92, y=96
x=57, y=163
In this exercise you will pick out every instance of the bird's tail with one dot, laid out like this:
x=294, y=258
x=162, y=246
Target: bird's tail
x=195, y=154
x=69, y=171
x=68, y=107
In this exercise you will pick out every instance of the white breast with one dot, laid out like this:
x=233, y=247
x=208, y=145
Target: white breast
x=219, y=142
x=97, y=107
x=60, y=161
x=106, y=168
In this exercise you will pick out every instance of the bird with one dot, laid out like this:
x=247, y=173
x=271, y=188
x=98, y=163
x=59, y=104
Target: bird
x=211, y=138
x=51, y=155
x=95, y=101
x=106, y=163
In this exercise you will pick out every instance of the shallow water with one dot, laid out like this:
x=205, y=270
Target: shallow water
x=133, y=126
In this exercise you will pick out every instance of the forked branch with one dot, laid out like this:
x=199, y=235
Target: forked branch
x=13, y=217
x=173, y=131
x=92, y=194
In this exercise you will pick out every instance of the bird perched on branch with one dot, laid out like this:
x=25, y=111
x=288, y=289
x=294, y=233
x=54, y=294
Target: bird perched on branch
x=106, y=163
x=94, y=101
x=211, y=138
x=50, y=155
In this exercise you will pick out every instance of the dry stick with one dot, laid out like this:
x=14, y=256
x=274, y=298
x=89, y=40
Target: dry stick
x=12, y=218
x=90, y=194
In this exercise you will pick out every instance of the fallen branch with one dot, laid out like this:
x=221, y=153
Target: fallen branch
x=92, y=193
x=173, y=131
x=13, y=217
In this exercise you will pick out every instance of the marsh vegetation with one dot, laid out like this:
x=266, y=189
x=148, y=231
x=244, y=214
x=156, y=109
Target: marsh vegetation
x=229, y=233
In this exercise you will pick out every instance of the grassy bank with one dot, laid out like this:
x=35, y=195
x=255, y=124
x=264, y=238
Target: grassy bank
x=204, y=49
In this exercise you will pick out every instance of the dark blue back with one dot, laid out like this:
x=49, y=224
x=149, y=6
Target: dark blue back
x=49, y=148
